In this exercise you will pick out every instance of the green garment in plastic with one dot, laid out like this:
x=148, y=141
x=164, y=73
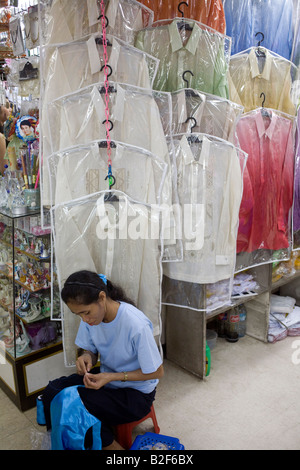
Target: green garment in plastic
x=194, y=56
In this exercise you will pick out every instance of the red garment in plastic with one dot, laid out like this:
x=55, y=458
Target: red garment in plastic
x=268, y=180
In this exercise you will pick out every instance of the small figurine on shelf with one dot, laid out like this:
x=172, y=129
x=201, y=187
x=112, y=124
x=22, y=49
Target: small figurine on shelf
x=24, y=307
x=37, y=249
x=44, y=252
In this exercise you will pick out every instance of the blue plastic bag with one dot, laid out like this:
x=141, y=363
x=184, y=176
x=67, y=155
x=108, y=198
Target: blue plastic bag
x=70, y=422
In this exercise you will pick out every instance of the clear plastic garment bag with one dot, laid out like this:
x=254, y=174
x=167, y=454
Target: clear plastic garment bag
x=209, y=12
x=296, y=208
x=79, y=118
x=191, y=55
x=110, y=233
x=269, y=23
x=194, y=111
x=259, y=77
x=264, y=236
x=208, y=173
x=66, y=20
x=82, y=170
x=71, y=66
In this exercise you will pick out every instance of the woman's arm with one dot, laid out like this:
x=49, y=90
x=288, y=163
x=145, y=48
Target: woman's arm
x=97, y=381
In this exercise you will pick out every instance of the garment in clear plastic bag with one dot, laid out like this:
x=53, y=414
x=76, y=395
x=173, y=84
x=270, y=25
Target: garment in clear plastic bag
x=245, y=19
x=79, y=119
x=296, y=208
x=25, y=74
x=209, y=12
x=31, y=27
x=209, y=185
x=282, y=304
x=276, y=330
x=66, y=20
x=109, y=233
x=282, y=321
x=193, y=56
x=258, y=77
x=194, y=111
x=16, y=36
x=82, y=170
x=268, y=137
x=296, y=48
x=244, y=284
x=69, y=67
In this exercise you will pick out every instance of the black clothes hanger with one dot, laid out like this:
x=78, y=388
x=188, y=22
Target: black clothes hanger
x=259, y=51
x=108, y=66
x=264, y=111
x=104, y=144
x=183, y=24
x=29, y=72
x=193, y=139
x=184, y=79
x=110, y=89
x=100, y=41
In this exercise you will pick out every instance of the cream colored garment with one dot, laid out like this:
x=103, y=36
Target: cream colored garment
x=69, y=67
x=196, y=111
x=209, y=184
x=77, y=119
x=66, y=20
x=250, y=76
x=109, y=238
x=83, y=170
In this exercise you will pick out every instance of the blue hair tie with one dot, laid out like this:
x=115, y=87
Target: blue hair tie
x=103, y=278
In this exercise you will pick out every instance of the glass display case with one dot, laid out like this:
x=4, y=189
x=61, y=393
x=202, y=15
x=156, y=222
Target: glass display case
x=28, y=331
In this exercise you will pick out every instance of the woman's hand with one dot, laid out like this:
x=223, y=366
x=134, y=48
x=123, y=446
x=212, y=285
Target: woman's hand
x=96, y=381
x=84, y=364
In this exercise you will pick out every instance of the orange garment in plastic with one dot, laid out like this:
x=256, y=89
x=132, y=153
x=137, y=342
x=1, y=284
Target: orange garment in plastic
x=209, y=12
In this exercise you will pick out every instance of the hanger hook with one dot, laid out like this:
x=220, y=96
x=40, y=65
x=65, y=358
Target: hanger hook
x=180, y=11
x=103, y=66
x=263, y=37
x=264, y=96
x=183, y=76
x=111, y=124
x=106, y=20
x=194, y=120
x=111, y=180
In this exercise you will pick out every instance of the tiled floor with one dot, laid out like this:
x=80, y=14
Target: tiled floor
x=249, y=401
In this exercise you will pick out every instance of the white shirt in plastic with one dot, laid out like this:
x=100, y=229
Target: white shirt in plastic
x=77, y=118
x=209, y=184
x=196, y=111
x=119, y=238
x=66, y=20
x=69, y=67
x=82, y=170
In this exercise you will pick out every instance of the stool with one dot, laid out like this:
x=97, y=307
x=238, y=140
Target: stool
x=124, y=431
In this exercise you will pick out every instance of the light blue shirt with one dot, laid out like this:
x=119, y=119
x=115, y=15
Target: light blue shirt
x=125, y=344
x=245, y=18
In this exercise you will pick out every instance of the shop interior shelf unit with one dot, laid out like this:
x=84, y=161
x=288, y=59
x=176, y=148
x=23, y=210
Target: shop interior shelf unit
x=185, y=329
x=29, y=339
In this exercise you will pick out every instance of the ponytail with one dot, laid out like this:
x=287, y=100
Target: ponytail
x=83, y=287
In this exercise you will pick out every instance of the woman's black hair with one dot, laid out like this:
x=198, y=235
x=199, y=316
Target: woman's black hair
x=83, y=287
